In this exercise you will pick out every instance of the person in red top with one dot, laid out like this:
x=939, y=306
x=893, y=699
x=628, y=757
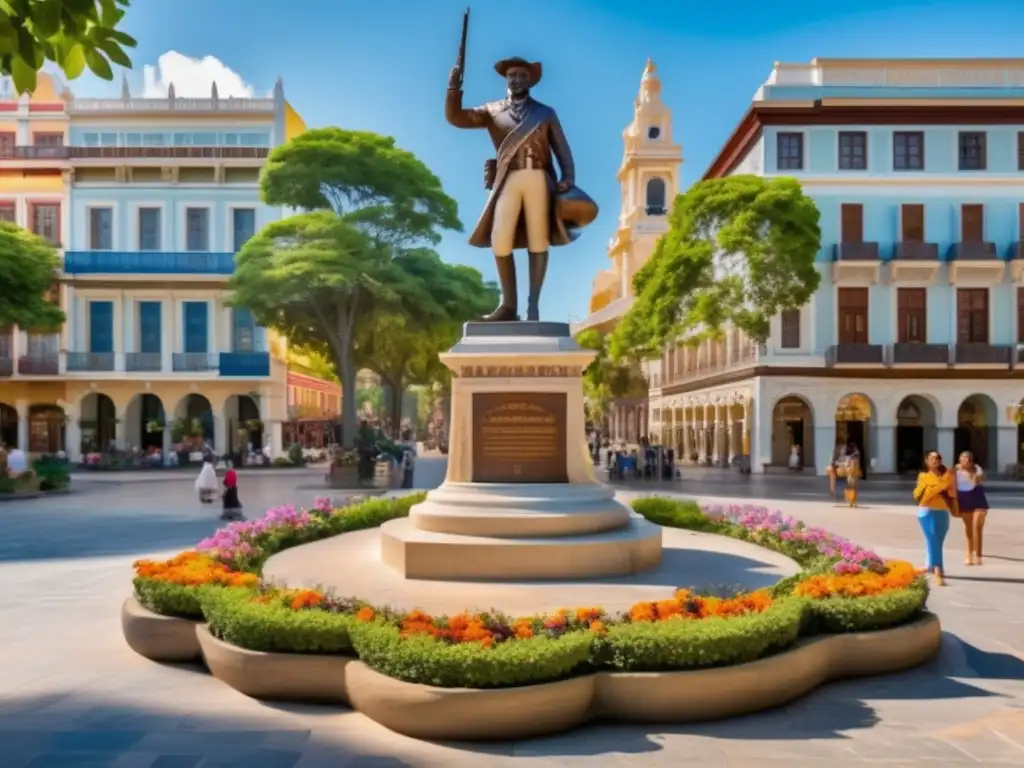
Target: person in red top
x=232, y=506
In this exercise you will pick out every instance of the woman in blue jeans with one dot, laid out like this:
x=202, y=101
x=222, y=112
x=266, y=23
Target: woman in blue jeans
x=935, y=495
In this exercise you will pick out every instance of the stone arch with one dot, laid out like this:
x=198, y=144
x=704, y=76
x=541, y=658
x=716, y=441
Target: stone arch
x=97, y=420
x=243, y=419
x=855, y=417
x=145, y=419
x=46, y=428
x=917, y=419
x=976, y=420
x=792, y=425
x=195, y=410
x=8, y=426
x=655, y=196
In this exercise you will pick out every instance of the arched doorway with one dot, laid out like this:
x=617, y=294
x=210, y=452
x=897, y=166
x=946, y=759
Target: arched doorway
x=144, y=422
x=8, y=426
x=853, y=421
x=45, y=429
x=98, y=422
x=976, y=432
x=193, y=421
x=915, y=433
x=792, y=424
x=242, y=416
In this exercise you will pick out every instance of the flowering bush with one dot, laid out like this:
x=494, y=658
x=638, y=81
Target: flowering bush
x=193, y=569
x=686, y=605
x=897, y=574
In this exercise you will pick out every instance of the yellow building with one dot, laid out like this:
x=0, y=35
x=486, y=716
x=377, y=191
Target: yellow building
x=149, y=200
x=649, y=180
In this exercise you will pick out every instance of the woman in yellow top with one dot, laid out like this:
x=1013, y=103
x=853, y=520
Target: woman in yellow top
x=935, y=495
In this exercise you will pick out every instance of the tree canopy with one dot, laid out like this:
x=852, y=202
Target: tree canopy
x=28, y=269
x=361, y=252
x=73, y=34
x=606, y=379
x=738, y=251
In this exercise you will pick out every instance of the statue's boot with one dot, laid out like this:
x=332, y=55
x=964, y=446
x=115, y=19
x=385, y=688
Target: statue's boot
x=538, y=268
x=508, y=310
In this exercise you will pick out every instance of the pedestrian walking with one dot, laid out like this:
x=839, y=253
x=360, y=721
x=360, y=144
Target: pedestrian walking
x=232, y=506
x=935, y=495
x=973, y=504
x=206, y=484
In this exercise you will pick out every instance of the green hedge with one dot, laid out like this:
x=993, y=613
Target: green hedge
x=699, y=643
x=866, y=614
x=168, y=599
x=423, y=659
x=233, y=616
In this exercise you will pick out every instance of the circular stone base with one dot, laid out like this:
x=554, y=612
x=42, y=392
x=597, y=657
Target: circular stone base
x=350, y=566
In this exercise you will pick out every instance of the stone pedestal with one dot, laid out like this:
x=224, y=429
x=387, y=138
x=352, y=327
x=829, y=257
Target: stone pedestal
x=520, y=500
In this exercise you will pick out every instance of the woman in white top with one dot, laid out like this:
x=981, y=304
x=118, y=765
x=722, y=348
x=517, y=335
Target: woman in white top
x=973, y=504
x=206, y=484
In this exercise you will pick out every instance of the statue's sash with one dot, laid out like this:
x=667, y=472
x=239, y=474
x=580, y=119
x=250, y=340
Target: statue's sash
x=514, y=140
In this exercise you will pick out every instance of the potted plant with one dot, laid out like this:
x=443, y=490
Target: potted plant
x=154, y=427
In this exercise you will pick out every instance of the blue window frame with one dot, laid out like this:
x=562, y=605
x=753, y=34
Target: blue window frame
x=243, y=336
x=101, y=326
x=149, y=229
x=244, y=223
x=149, y=327
x=197, y=320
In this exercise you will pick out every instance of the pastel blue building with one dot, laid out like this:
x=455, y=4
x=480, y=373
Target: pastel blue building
x=911, y=342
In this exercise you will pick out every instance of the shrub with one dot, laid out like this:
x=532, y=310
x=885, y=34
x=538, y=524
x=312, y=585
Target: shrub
x=53, y=474
x=866, y=614
x=420, y=658
x=295, y=455
x=651, y=646
x=171, y=587
x=265, y=622
x=282, y=461
x=672, y=513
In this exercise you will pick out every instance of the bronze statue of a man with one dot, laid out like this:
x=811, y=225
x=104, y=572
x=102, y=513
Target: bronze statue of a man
x=528, y=206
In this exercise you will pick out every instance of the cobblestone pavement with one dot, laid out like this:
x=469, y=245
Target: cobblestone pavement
x=72, y=694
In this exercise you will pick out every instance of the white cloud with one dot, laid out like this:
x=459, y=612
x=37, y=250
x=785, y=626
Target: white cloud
x=192, y=78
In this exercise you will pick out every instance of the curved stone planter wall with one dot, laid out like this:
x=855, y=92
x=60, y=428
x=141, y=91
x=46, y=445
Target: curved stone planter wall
x=426, y=712
x=160, y=638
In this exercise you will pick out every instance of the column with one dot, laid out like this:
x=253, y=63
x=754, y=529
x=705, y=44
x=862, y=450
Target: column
x=220, y=433
x=825, y=445
x=212, y=342
x=945, y=445
x=167, y=336
x=119, y=335
x=120, y=429
x=226, y=343
x=166, y=444
x=883, y=452
x=702, y=449
x=1006, y=449
x=22, y=407
x=129, y=322
x=73, y=436
x=276, y=439
x=687, y=438
x=719, y=425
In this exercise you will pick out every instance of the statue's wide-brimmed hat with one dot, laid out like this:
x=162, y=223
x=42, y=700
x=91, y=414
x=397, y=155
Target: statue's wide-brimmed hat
x=576, y=209
x=533, y=67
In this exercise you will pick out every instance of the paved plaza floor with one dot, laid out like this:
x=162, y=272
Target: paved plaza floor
x=73, y=695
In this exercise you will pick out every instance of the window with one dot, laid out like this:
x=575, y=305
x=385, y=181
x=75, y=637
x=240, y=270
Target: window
x=853, y=150
x=244, y=330
x=99, y=139
x=972, y=316
x=149, y=327
x=653, y=132
x=973, y=155
x=853, y=315
x=908, y=151
x=46, y=221
x=790, y=151
x=8, y=212
x=912, y=223
x=153, y=140
x=197, y=229
x=204, y=139
x=101, y=229
x=101, y=326
x=912, y=306
x=243, y=226
x=48, y=139
x=972, y=223
x=149, y=229
x=791, y=329
x=852, y=223
x=8, y=141
x=196, y=319
x=655, y=196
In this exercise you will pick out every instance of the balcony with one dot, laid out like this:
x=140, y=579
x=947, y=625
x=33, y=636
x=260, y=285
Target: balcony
x=143, y=361
x=920, y=354
x=148, y=263
x=915, y=261
x=39, y=365
x=34, y=153
x=133, y=153
x=975, y=262
x=90, y=361
x=854, y=355
x=195, y=362
x=855, y=262
x=983, y=354
x=245, y=364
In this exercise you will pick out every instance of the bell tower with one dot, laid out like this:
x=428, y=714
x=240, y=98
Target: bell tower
x=648, y=177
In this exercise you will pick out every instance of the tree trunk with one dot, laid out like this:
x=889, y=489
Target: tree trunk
x=397, y=396
x=347, y=370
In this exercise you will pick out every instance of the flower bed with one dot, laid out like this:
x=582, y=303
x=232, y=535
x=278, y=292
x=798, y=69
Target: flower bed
x=842, y=588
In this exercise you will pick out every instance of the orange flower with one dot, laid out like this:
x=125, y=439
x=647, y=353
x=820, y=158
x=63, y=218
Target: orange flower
x=192, y=569
x=597, y=627
x=523, y=629
x=365, y=614
x=686, y=605
x=897, y=575
x=306, y=598
x=588, y=614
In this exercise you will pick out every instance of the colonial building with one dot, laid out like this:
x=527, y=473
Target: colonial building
x=149, y=200
x=911, y=341
x=649, y=180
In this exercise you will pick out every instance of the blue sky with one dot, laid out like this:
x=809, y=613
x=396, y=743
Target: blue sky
x=383, y=66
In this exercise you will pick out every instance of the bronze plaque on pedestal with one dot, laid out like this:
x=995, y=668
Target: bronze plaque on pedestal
x=519, y=437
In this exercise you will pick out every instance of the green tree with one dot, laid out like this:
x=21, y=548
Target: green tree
x=738, y=251
x=606, y=379
x=359, y=253
x=28, y=271
x=73, y=34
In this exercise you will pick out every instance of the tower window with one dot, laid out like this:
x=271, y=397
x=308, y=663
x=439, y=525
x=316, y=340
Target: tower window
x=653, y=132
x=656, y=197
